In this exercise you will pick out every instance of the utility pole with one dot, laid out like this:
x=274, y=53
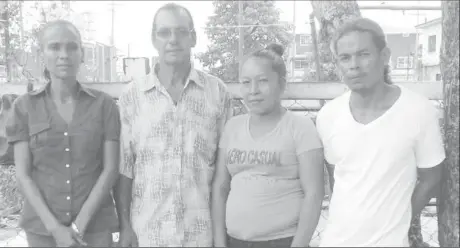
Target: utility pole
x=294, y=44
x=240, y=36
x=112, y=44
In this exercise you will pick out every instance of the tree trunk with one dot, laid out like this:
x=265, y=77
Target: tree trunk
x=448, y=219
x=331, y=15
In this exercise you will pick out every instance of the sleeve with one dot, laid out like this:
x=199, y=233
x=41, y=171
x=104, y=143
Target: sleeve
x=305, y=135
x=225, y=115
x=17, y=128
x=112, y=123
x=429, y=147
x=127, y=145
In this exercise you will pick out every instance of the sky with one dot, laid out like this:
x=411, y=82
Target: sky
x=133, y=20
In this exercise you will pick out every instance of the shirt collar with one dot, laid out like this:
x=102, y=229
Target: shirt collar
x=152, y=81
x=46, y=89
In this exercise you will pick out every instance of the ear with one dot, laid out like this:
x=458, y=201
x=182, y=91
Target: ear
x=82, y=55
x=385, y=54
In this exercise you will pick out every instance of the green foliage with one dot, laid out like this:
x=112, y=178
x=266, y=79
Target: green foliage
x=221, y=57
x=10, y=197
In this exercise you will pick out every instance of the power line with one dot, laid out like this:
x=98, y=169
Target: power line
x=250, y=26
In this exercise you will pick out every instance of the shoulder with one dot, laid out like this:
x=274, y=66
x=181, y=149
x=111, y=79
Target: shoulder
x=333, y=107
x=236, y=121
x=299, y=121
x=130, y=91
x=212, y=82
x=419, y=106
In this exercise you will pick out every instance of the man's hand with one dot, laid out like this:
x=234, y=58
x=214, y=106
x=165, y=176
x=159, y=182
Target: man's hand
x=128, y=238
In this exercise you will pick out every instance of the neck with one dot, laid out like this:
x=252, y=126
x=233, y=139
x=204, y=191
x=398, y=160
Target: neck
x=63, y=90
x=369, y=98
x=268, y=117
x=171, y=75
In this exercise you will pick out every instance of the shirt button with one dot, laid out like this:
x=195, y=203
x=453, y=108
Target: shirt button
x=67, y=214
x=68, y=181
x=67, y=165
x=65, y=134
x=68, y=197
x=67, y=149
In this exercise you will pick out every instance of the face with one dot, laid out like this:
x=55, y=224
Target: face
x=173, y=37
x=360, y=62
x=61, y=51
x=260, y=86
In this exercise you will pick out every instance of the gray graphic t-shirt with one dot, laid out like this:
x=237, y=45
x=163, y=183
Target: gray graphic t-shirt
x=266, y=196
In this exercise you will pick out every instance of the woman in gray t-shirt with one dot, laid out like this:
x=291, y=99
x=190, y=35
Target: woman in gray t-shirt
x=268, y=187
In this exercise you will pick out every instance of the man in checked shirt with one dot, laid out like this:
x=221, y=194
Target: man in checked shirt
x=171, y=123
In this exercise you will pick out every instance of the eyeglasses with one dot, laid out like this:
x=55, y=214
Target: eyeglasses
x=166, y=33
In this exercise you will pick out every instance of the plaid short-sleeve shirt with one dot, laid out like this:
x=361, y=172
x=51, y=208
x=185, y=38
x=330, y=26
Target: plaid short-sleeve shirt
x=169, y=151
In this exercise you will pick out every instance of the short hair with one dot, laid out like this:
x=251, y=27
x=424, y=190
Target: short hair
x=364, y=25
x=172, y=7
x=273, y=53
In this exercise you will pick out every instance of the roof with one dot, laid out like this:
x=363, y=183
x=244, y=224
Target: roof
x=429, y=23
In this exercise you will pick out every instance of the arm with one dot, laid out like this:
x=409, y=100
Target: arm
x=30, y=190
x=17, y=132
x=311, y=174
x=330, y=170
x=429, y=155
x=109, y=174
x=219, y=194
x=428, y=180
x=123, y=188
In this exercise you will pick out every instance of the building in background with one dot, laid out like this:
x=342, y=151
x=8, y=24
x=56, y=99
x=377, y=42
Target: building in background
x=429, y=48
x=402, y=47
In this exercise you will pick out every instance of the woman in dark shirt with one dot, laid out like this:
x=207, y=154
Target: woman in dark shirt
x=66, y=149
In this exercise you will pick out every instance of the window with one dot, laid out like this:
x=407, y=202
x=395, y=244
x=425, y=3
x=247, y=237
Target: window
x=305, y=40
x=432, y=43
x=404, y=62
x=438, y=77
x=301, y=64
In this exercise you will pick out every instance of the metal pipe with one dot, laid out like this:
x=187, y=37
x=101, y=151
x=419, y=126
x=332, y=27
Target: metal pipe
x=394, y=7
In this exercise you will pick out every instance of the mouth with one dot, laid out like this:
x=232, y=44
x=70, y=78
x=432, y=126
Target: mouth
x=255, y=101
x=63, y=66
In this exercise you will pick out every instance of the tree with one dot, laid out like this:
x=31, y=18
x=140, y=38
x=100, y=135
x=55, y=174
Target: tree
x=448, y=212
x=221, y=57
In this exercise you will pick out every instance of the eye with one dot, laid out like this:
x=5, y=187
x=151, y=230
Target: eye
x=244, y=81
x=72, y=47
x=54, y=46
x=344, y=58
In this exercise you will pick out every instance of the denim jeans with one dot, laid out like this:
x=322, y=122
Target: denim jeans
x=276, y=243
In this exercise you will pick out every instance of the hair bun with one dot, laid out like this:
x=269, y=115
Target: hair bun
x=276, y=48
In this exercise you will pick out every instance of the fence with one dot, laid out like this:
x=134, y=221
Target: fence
x=305, y=98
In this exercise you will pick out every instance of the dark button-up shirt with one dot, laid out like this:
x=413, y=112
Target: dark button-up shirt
x=66, y=158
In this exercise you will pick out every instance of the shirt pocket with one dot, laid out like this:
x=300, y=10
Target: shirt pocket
x=40, y=136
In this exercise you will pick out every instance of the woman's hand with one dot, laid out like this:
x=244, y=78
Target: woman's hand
x=66, y=237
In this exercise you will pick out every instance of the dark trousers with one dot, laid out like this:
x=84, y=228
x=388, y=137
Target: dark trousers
x=100, y=239
x=282, y=243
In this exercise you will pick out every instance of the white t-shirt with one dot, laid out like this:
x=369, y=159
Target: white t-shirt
x=376, y=168
x=266, y=195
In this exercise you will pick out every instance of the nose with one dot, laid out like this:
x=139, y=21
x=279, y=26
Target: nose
x=254, y=87
x=173, y=38
x=354, y=63
x=63, y=53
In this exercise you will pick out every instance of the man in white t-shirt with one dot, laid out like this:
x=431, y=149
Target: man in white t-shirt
x=380, y=138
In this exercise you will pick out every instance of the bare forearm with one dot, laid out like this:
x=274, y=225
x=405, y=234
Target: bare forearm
x=122, y=194
x=98, y=194
x=422, y=195
x=218, y=209
x=309, y=217
x=33, y=195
